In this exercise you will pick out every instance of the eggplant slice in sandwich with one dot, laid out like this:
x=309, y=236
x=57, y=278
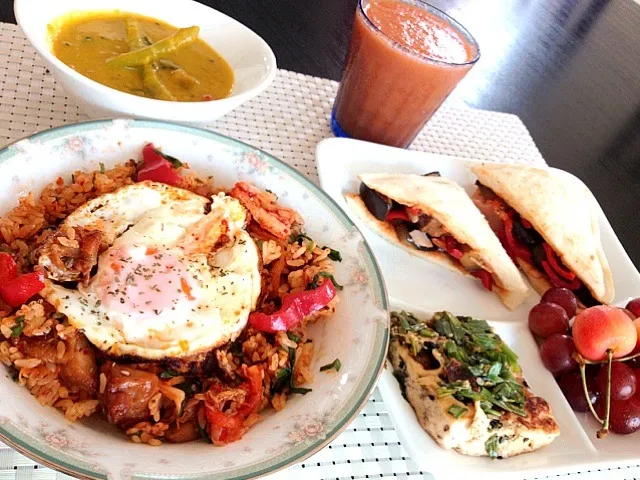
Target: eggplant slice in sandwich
x=434, y=218
x=549, y=226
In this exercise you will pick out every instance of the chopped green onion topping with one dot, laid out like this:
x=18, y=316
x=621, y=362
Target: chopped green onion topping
x=335, y=365
x=203, y=434
x=292, y=386
x=173, y=160
x=491, y=446
x=18, y=328
x=318, y=276
x=169, y=374
x=272, y=193
x=334, y=254
x=293, y=337
x=456, y=411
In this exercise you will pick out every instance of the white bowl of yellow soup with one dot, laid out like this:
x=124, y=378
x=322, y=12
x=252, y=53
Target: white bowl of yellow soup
x=198, y=82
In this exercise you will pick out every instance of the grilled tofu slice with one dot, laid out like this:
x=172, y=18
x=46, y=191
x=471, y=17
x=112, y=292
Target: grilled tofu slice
x=467, y=397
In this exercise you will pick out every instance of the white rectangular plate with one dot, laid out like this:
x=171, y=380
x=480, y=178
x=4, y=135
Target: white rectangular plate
x=419, y=286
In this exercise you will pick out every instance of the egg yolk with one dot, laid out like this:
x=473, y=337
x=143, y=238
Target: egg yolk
x=143, y=280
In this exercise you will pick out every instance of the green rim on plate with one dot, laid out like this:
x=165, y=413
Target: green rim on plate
x=361, y=392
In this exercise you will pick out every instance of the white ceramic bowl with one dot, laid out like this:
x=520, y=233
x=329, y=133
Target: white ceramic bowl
x=253, y=62
x=357, y=334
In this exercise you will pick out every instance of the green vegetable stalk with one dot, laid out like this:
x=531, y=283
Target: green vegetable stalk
x=152, y=53
x=152, y=84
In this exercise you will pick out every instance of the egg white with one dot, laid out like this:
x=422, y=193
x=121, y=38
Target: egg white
x=222, y=259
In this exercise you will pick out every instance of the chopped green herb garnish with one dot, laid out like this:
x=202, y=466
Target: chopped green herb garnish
x=449, y=326
x=102, y=169
x=282, y=377
x=335, y=365
x=491, y=446
x=456, y=411
x=169, y=374
x=318, y=276
x=454, y=351
x=292, y=386
x=415, y=346
x=173, y=160
x=298, y=237
x=334, y=254
x=484, y=369
x=203, y=434
x=190, y=387
x=311, y=246
x=293, y=337
x=18, y=328
x=495, y=370
x=236, y=350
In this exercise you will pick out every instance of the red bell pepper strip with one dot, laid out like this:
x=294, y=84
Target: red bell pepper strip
x=20, y=289
x=414, y=211
x=449, y=245
x=453, y=247
x=229, y=428
x=295, y=307
x=398, y=214
x=513, y=246
x=8, y=268
x=485, y=277
x=525, y=223
x=556, y=264
x=157, y=168
x=557, y=280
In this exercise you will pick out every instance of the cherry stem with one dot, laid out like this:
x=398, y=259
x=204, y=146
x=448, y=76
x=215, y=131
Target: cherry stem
x=586, y=392
x=621, y=359
x=605, y=426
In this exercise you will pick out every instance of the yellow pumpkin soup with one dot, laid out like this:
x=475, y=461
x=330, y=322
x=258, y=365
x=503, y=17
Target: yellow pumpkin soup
x=141, y=55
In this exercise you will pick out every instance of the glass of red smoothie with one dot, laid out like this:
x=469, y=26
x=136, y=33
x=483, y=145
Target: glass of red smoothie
x=405, y=57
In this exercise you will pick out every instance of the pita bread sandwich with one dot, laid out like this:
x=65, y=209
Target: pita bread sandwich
x=548, y=224
x=434, y=218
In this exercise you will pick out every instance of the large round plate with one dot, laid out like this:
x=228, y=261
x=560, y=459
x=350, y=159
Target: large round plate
x=357, y=334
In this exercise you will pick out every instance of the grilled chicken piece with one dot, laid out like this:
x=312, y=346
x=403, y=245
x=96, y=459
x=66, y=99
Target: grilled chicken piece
x=78, y=369
x=186, y=428
x=127, y=394
x=71, y=253
x=275, y=219
x=425, y=368
x=80, y=372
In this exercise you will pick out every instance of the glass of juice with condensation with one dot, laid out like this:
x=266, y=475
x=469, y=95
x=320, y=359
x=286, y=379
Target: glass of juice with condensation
x=405, y=57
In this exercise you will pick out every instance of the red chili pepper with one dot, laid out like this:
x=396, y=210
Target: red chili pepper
x=557, y=280
x=229, y=428
x=512, y=245
x=525, y=223
x=485, y=277
x=8, y=268
x=295, y=307
x=157, y=168
x=556, y=264
x=20, y=289
x=398, y=214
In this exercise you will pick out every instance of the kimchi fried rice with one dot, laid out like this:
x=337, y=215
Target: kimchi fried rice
x=218, y=399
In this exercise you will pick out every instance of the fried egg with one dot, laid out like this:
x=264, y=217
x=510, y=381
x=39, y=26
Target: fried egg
x=173, y=281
